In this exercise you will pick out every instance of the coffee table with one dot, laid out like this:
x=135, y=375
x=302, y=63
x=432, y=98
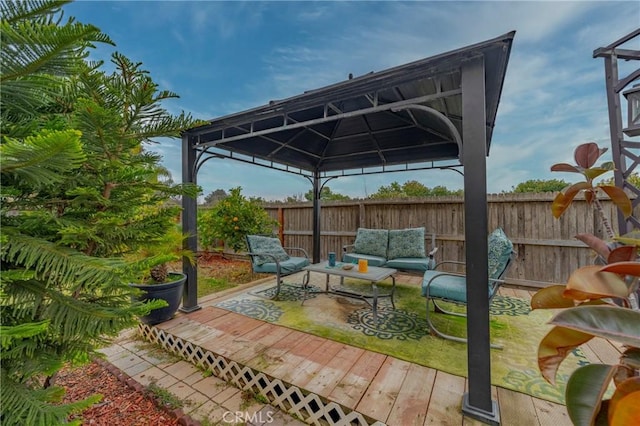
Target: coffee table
x=374, y=275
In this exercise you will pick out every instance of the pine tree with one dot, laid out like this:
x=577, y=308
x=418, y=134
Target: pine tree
x=74, y=201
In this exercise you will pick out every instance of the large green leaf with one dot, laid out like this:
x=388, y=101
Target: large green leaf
x=554, y=348
x=585, y=390
x=609, y=322
x=589, y=282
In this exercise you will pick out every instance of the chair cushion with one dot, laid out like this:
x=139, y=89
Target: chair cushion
x=409, y=263
x=500, y=249
x=270, y=245
x=289, y=266
x=406, y=243
x=372, y=242
x=448, y=287
x=372, y=260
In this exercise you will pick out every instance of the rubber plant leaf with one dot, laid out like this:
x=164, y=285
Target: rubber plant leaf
x=631, y=358
x=619, y=198
x=589, y=283
x=630, y=238
x=584, y=392
x=554, y=348
x=624, y=407
x=565, y=167
x=551, y=298
x=563, y=199
x=595, y=172
x=587, y=154
x=606, y=321
x=622, y=254
x=595, y=243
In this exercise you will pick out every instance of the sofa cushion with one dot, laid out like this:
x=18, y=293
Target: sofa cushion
x=500, y=250
x=372, y=242
x=406, y=243
x=270, y=245
x=409, y=263
x=371, y=260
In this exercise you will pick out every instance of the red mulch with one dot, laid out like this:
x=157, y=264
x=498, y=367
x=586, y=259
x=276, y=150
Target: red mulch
x=120, y=405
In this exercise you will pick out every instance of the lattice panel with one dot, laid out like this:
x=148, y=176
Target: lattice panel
x=310, y=407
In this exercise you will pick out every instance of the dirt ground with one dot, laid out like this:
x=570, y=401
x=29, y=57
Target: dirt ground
x=121, y=404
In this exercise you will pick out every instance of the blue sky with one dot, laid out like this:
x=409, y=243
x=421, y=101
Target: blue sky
x=226, y=57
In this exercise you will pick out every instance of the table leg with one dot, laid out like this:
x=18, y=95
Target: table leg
x=393, y=289
x=375, y=304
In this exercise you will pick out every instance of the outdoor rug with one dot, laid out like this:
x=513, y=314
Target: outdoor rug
x=403, y=332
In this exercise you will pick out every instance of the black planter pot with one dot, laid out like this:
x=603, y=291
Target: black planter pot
x=170, y=292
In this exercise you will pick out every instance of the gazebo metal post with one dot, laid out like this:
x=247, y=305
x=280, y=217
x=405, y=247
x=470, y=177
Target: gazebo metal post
x=477, y=402
x=189, y=227
x=316, y=216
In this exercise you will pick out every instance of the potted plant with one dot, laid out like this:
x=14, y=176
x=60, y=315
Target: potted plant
x=597, y=301
x=154, y=278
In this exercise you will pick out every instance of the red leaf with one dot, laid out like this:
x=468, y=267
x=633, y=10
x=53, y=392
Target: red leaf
x=550, y=298
x=554, y=348
x=624, y=268
x=587, y=154
x=564, y=167
x=619, y=198
x=622, y=254
x=596, y=244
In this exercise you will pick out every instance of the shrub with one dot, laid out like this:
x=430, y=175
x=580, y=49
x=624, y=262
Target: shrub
x=232, y=219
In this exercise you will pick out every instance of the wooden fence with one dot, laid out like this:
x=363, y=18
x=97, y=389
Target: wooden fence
x=547, y=251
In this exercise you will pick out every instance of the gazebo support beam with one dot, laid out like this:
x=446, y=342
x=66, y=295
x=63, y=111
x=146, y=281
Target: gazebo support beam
x=477, y=403
x=189, y=227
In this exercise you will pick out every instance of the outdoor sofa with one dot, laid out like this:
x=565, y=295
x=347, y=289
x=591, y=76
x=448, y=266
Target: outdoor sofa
x=402, y=249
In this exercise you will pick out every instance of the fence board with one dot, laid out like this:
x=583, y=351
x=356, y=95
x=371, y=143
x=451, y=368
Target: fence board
x=547, y=251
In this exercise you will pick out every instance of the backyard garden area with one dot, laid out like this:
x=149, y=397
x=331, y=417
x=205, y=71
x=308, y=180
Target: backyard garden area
x=93, y=224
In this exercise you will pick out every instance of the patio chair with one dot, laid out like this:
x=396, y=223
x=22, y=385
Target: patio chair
x=268, y=256
x=452, y=287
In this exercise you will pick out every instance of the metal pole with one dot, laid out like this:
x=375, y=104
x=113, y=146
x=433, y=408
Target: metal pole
x=477, y=402
x=189, y=227
x=316, y=217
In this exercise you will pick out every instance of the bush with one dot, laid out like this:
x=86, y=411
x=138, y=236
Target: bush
x=232, y=219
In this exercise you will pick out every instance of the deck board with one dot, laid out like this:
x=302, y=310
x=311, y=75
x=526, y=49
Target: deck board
x=446, y=400
x=517, y=409
x=378, y=401
x=410, y=408
x=353, y=385
x=383, y=388
x=334, y=370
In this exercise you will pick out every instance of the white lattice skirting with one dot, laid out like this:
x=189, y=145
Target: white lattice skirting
x=307, y=406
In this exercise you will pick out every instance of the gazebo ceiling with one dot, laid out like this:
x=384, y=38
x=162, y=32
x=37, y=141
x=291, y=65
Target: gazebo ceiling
x=406, y=117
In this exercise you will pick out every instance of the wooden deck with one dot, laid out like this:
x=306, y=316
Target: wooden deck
x=380, y=387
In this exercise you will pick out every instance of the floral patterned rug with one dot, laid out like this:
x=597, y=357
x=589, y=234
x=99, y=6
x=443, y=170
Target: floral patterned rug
x=403, y=333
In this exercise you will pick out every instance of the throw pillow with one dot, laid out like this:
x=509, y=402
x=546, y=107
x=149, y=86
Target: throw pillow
x=270, y=245
x=372, y=242
x=500, y=249
x=406, y=243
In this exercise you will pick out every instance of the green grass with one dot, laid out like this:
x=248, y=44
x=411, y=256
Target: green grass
x=208, y=286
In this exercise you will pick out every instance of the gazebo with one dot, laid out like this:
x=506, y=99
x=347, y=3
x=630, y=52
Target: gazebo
x=437, y=112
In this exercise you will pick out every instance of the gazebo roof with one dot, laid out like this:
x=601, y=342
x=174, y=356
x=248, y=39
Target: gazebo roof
x=403, y=118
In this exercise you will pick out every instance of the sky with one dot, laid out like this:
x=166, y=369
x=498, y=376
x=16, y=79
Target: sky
x=226, y=57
